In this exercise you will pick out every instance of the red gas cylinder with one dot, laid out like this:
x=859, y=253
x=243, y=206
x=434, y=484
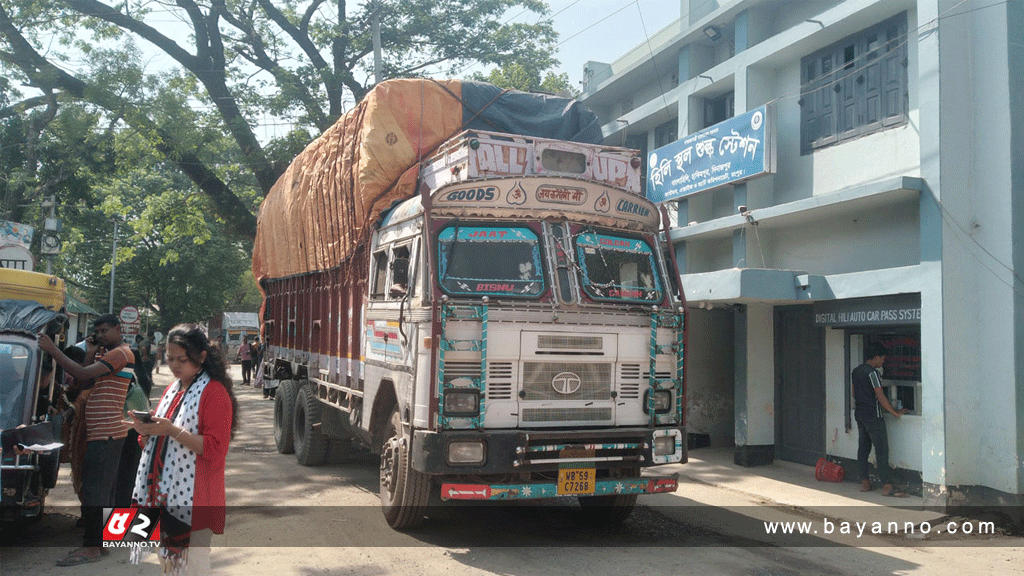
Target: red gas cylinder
x=828, y=471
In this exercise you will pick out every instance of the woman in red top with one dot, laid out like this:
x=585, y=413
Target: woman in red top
x=184, y=451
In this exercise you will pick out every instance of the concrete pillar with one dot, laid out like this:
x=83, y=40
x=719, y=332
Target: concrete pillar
x=754, y=392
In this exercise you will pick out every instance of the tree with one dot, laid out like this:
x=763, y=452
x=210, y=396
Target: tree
x=518, y=76
x=247, y=58
x=173, y=256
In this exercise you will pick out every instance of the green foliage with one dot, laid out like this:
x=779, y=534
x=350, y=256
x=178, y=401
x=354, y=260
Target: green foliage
x=527, y=78
x=228, y=64
x=173, y=257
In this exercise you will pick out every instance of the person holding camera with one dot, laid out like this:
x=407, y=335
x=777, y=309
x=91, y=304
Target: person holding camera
x=107, y=377
x=185, y=450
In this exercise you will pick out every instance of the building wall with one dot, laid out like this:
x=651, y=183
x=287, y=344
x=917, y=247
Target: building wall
x=956, y=243
x=971, y=115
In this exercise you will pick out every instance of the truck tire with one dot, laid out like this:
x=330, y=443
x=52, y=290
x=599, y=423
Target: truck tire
x=310, y=442
x=612, y=509
x=284, y=411
x=404, y=492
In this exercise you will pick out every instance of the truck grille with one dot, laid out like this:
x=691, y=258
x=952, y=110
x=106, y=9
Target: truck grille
x=499, y=380
x=567, y=344
x=566, y=381
x=566, y=414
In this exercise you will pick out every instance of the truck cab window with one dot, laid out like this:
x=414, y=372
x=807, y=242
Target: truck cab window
x=615, y=268
x=380, y=275
x=400, y=273
x=496, y=260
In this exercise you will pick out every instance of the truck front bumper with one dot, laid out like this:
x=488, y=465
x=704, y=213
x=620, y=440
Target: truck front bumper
x=520, y=452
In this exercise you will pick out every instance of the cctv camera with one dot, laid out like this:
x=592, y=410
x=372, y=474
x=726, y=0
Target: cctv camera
x=741, y=209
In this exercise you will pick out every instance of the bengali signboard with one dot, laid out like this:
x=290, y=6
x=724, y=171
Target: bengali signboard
x=733, y=151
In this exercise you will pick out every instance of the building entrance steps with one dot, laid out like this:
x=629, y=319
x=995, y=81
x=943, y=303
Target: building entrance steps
x=712, y=478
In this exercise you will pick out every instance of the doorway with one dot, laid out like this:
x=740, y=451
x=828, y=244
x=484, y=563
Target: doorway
x=799, y=385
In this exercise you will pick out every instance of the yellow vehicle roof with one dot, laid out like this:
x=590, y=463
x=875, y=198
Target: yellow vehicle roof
x=46, y=289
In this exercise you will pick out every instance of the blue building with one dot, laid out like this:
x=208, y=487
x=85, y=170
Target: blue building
x=890, y=210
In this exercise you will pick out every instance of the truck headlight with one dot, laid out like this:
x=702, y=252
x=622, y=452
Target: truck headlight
x=466, y=452
x=664, y=445
x=667, y=445
x=461, y=402
x=662, y=401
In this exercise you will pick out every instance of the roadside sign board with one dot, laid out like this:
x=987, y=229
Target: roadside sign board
x=729, y=152
x=129, y=317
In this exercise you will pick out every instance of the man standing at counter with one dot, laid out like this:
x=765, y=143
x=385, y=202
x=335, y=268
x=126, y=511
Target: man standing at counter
x=870, y=400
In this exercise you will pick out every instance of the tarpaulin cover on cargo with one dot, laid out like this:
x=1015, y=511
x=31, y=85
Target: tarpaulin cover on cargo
x=327, y=201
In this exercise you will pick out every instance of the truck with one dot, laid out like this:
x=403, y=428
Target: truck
x=467, y=282
x=30, y=302
x=234, y=327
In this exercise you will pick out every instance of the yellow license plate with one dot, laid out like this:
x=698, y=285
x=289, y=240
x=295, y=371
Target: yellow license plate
x=573, y=481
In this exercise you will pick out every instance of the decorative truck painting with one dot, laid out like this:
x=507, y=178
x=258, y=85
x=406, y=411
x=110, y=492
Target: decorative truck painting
x=497, y=315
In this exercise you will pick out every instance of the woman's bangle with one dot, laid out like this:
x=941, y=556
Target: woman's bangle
x=182, y=431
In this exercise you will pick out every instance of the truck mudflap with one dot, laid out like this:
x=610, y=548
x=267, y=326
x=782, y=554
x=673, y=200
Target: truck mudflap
x=538, y=490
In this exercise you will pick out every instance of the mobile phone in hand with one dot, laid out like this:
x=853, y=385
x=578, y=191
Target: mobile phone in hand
x=145, y=417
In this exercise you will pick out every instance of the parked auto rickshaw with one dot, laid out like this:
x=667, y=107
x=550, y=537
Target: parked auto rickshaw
x=28, y=389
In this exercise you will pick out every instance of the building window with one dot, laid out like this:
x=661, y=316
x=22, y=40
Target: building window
x=666, y=133
x=627, y=104
x=719, y=109
x=855, y=87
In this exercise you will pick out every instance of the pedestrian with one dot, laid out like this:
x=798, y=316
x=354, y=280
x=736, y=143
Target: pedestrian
x=245, y=355
x=257, y=351
x=185, y=449
x=142, y=376
x=159, y=356
x=105, y=428
x=870, y=400
x=146, y=355
x=131, y=451
x=73, y=433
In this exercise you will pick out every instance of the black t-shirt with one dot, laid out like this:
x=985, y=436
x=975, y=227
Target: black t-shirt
x=865, y=380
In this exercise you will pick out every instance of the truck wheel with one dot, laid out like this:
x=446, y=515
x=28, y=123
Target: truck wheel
x=610, y=509
x=404, y=492
x=310, y=442
x=284, y=411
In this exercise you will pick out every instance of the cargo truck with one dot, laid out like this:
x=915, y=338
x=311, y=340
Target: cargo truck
x=465, y=281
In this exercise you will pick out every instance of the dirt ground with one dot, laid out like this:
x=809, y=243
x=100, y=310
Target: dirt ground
x=285, y=519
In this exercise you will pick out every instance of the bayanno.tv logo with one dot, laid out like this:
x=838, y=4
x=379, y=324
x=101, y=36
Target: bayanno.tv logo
x=131, y=527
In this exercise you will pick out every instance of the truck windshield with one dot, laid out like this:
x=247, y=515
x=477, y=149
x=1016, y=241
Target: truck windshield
x=618, y=269
x=490, y=260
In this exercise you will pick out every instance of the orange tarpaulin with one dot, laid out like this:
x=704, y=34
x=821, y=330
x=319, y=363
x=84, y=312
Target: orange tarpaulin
x=328, y=199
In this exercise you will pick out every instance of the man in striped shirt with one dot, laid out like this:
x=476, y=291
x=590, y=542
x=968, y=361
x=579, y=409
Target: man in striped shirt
x=869, y=401
x=110, y=374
